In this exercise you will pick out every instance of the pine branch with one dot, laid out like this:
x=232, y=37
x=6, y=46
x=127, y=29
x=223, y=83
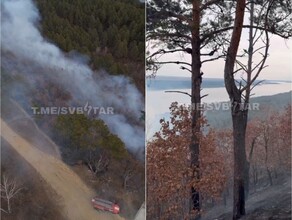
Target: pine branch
x=184, y=68
x=203, y=96
x=185, y=93
x=270, y=30
x=209, y=3
x=173, y=62
x=180, y=17
x=215, y=58
x=155, y=35
x=162, y=51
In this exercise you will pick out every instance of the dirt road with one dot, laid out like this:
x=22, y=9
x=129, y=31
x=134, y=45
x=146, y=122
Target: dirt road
x=74, y=193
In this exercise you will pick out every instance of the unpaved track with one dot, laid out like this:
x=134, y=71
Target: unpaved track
x=75, y=195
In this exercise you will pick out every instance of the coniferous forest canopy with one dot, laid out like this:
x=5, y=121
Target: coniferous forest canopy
x=110, y=32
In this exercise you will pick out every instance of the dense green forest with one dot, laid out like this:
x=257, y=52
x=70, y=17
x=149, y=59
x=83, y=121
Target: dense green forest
x=110, y=32
x=79, y=132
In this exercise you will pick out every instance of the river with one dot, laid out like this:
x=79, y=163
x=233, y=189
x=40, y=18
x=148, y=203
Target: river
x=158, y=100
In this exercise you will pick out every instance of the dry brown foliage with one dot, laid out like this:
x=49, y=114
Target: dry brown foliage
x=168, y=166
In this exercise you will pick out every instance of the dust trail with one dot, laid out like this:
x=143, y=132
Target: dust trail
x=75, y=195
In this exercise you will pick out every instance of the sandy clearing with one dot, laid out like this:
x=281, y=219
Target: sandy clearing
x=73, y=191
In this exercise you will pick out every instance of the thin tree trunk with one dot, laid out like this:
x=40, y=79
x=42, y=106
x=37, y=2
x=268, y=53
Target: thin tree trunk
x=8, y=206
x=255, y=176
x=247, y=95
x=275, y=173
x=270, y=176
x=247, y=179
x=266, y=139
x=225, y=198
x=250, y=53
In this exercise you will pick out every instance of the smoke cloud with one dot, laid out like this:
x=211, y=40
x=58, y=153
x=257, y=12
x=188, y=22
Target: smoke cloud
x=33, y=54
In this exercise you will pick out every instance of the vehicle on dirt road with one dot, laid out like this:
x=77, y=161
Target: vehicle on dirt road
x=105, y=205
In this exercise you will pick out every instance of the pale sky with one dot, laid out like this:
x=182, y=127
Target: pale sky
x=279, y=62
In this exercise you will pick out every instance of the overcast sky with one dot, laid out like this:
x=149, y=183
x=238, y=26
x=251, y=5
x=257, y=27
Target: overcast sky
x=279, y=61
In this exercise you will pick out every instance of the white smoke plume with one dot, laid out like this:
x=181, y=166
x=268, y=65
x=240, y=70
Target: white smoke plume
x=21, y=37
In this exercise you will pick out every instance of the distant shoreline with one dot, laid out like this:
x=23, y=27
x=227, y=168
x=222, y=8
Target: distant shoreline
x=177, y=82
x=220, y=118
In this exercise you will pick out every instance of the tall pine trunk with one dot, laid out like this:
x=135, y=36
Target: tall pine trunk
x=239, y=119
x=195, y=101
x=239, y=116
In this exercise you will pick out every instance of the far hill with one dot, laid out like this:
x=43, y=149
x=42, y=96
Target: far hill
x=267, y=104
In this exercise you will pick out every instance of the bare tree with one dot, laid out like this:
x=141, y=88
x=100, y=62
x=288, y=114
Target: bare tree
x=128, y=174
x=9, y=190
x=97, y=162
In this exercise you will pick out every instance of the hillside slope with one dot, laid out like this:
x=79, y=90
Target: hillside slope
x=220, y=118
x=271, y=203
x=21, y=122
x=74, y=193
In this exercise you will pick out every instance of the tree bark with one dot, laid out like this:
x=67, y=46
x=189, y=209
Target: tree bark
x=270, y=176
x=195, y=101
x=239, y=116
x=239, y=128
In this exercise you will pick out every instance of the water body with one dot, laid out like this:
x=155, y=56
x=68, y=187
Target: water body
x=158, y=100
